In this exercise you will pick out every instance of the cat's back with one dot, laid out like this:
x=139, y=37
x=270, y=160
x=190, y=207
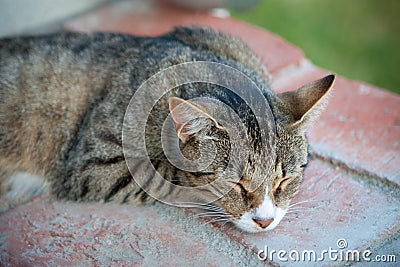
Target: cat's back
x=47, y=84
x=63, y=96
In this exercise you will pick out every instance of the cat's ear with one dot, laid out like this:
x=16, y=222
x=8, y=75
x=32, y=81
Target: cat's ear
x=307, y=102
x=189, y=118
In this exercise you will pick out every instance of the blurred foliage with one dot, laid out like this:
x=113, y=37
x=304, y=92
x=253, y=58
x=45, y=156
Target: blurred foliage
x=359, y=39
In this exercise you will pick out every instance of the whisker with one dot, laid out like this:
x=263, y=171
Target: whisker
x=209, y=213
x=224, y=224
x=199, y=206
x=302, y=208
x=217, y=220
x=210, y=209
x=207, y=208
x=305, y=208
x=295, y=211
x=302, y=202
x=292, y=215
x=211, y=216
x=194, y=204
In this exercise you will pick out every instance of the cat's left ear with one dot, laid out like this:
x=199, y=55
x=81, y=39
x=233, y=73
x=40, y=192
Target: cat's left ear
x=306, y=103
x=189, y=118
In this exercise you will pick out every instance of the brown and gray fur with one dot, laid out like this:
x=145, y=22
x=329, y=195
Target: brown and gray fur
x=63, y=99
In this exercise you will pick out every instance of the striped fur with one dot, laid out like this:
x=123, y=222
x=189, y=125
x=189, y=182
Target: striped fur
x=63, y=99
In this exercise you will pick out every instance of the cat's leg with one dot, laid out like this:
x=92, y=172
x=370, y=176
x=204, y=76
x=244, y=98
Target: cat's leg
x=96, y=170
x=99, y=181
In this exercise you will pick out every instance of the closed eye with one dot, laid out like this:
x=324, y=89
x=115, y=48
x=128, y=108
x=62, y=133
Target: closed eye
x=244, y=194
x=304, y=165
x=280, y=187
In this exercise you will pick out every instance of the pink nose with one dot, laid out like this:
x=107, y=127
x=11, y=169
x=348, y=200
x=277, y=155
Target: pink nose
x=263, y=224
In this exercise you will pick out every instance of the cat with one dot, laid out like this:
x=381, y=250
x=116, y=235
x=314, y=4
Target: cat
x=64, y=99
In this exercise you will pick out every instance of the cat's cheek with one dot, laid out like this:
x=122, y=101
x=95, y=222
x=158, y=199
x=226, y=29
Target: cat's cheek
x=246, y=223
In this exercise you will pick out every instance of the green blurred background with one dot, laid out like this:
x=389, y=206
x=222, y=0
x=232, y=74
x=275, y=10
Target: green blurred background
x=359, y=39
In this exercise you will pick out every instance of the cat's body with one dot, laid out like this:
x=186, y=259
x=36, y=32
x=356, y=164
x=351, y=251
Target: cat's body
x=63, y=100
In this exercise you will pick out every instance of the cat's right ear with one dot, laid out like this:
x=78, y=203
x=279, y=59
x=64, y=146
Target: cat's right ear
x=189, y=118
x=306, y=103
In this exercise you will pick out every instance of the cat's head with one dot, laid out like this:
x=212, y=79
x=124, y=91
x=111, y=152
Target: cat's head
x=263, y=208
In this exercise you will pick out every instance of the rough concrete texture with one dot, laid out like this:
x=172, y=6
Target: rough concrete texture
x=351, y=188
x=46, y=232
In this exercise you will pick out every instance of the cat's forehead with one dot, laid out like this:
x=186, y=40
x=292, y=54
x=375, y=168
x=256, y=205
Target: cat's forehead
x=292, y=151
x=258, y=170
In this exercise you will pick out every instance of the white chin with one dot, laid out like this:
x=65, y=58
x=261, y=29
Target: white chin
x=247, y=224
x=250, y=229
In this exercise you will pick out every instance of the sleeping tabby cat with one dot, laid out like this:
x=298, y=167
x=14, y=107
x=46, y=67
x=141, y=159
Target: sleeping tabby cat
x=63, y=98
